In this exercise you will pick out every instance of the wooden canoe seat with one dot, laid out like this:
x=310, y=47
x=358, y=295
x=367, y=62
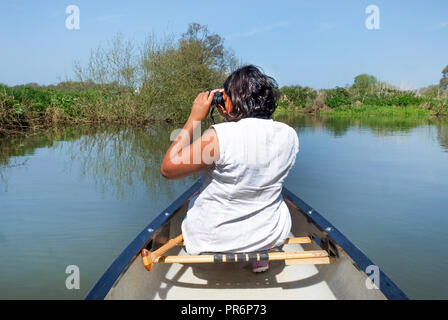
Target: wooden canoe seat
x=302, y=240
x=290, y=258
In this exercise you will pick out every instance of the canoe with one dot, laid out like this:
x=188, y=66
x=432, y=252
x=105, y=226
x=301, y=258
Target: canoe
x=341, y=271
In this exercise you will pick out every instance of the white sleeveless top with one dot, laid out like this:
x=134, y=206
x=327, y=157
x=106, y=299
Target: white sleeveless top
x=240, y=207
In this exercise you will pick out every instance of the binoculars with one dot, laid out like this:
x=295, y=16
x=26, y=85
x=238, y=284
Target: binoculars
x=218, y=100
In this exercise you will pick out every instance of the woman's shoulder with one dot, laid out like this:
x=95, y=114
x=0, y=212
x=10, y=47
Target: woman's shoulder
x=223, y=125
x=247, y=123
x=289, y=133
x=285, y=127
x=282, y=124
x=223, y=128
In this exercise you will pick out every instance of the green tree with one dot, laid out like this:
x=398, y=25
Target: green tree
x=431, y=91
x=298, y=96
x=337, y=97
x=113, y=65
x=444, y=80
x=364, y=82
x=163, y=75
x=175, y=72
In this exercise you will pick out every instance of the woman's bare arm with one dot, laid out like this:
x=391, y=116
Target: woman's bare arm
x=185, y=156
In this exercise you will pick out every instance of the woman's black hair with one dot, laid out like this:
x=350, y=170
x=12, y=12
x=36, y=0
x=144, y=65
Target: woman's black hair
x=252, y=93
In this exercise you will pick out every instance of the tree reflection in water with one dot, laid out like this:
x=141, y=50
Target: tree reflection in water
x=380, y=126
x=121, y=159
x=118, y=159
x=442, y=134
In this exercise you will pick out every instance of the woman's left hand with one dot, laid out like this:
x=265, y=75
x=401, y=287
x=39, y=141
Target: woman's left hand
x=201, y=105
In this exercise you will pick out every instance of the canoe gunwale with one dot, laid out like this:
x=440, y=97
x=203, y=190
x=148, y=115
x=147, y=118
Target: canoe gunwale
x=332, y=239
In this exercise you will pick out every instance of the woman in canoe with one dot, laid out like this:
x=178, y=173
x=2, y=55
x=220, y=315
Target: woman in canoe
x=244, y=162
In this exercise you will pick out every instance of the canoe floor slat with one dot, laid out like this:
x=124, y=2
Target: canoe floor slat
x=301, y=240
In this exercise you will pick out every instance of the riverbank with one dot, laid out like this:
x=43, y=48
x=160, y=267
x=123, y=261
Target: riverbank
x=380, y=99
x=363, y=110
x=26, y=110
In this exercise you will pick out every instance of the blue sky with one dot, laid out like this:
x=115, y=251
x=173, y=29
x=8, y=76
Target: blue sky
x=321, y=44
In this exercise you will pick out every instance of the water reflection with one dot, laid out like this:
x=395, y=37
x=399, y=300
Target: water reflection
x=120, y=158
x=124, y=159
x=379, y=126
x=442, y=135
x=15, y=150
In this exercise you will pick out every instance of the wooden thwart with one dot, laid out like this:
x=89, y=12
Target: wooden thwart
x=273, y=256
x=149, y=258
x=290, y=258
x=324, y=260
x=301, y=240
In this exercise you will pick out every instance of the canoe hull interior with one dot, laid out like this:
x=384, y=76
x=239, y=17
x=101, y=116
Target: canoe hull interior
x=346, y=278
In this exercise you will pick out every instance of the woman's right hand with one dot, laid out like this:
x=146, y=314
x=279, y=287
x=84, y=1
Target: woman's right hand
x=201, y=105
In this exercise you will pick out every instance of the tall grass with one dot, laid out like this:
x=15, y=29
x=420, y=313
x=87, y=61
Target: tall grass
x=376, y=99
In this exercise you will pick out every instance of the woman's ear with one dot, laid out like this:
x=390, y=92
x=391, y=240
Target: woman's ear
x=228, y=103
x=229, y=107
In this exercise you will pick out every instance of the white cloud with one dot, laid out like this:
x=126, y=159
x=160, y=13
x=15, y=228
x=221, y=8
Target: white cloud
x=443, y=24
x=255, y=31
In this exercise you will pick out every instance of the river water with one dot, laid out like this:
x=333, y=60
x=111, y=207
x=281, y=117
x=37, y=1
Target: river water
x=78, y=196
